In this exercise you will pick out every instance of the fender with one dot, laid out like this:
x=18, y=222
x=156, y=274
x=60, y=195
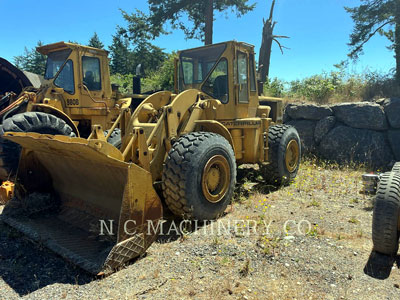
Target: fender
x=215, y=127
x=55, y=112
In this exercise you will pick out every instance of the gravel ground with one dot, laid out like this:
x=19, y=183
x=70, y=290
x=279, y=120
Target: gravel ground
x=311, y=240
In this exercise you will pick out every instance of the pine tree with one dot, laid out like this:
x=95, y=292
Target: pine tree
x=31, y=60
x=139, y=33
x=199, y=12
x=372, y=17
x=95, y=42
x=121, y=56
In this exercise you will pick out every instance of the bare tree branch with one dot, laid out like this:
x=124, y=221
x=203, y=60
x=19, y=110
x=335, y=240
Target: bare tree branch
x=271, y=12
x=280, y=46
x=281, y=36
x=266, y=44
x=273, y=26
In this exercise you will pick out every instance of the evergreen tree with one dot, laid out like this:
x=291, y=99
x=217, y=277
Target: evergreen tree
x=199, y=12
x=140, y=35
x=120, y=55
x=372, y=17
x=95, y=42
x=31, y=60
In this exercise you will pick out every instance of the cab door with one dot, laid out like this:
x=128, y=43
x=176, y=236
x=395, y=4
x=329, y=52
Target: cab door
x=242, y=77
x=91, y=81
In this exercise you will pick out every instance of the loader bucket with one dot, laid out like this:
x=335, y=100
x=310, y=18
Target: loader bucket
x=80, y=199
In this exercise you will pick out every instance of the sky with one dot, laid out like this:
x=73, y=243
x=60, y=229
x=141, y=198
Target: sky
x=318, y=29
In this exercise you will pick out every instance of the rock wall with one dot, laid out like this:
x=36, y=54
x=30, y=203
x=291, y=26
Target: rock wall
x=361, y=132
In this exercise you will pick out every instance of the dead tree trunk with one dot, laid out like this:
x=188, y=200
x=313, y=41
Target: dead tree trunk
x=208, y=28
x=268, y=37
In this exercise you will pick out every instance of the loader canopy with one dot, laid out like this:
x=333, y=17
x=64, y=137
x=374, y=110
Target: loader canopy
x=80, y=199
x=196, y=64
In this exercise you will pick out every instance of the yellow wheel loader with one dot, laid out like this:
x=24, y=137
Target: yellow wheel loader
x=99, y=206
x=76, y=94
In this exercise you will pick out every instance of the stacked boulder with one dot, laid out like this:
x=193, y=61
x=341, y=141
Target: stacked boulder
x=361, y=132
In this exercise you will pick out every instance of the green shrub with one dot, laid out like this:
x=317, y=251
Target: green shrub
x=125, y=82
x=161, y=79
x=317, y=88
x=379, y=86
x=274, y=87
x=343, y=87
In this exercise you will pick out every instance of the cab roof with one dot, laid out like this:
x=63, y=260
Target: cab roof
x=222, y=43
x=46, y=49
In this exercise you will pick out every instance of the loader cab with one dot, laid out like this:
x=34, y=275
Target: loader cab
x=224, y=71
x=78, y=85
x=80, y=74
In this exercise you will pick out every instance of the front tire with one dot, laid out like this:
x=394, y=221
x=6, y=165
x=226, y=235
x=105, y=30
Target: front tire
x=284, y=155
x=385, y=220
x=199, y=176
x=26, y=122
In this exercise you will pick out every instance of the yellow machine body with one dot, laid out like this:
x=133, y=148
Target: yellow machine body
x=90, y=180
x=77, y=88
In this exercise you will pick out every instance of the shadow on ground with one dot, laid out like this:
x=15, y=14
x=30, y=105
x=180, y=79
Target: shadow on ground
x=379, y=265
x=26, y=266
x=249, y=180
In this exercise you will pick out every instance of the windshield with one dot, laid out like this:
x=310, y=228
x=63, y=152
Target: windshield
x=195, y=65
x=65, y=79
x=54, y=62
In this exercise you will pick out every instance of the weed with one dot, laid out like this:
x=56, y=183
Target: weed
x=314, y=231
x=354, y=201
x=244, y=270
x=353, y=220
x=314, y=203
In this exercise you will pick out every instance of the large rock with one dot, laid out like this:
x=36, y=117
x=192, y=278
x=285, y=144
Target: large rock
x=392, y=110
x=345, y=144
x=285, y=117
x=323, y=127
x=308, y=111
x=394, y=141
x=305, y=129
x=363, y=115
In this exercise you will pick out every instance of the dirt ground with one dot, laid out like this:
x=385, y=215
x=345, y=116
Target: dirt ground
x=310, y=240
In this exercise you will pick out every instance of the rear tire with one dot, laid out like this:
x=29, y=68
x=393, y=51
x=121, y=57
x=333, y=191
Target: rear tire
x=26, y=122
x=284, y=155
x=115, y=138
x=385, y=232
x=199, y=176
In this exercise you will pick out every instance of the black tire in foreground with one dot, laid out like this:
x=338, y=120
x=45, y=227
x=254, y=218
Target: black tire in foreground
x=26, y=122
x=199, y=176
x=284, y=155
x=396, y=167
x=385, y=220
x=115, y=138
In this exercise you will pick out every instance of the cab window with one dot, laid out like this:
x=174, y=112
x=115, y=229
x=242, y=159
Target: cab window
x=242, y=77
x=216, y=84
x=55, y=60
x=91, y=73
x=252, y=73
x=196, y=64
x=65, y=79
